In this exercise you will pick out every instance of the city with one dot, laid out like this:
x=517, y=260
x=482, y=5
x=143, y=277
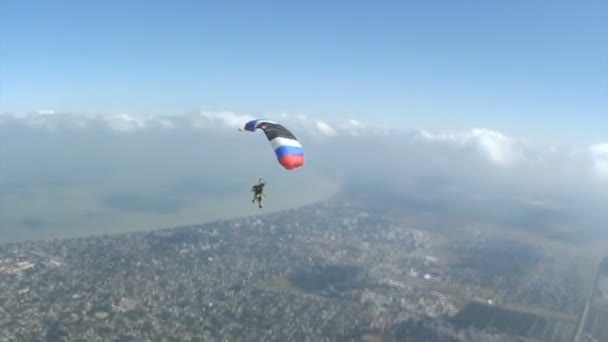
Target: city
x=326, y=272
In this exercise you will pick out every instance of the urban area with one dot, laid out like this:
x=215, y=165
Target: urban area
x=326, y=272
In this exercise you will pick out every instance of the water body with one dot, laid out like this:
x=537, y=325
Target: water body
x=77, y=210
x=80, y=184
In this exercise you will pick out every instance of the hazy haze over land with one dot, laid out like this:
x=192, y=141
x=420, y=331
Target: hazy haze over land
x=71, y=174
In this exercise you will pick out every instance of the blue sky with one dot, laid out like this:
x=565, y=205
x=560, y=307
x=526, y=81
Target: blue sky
x=532, y=68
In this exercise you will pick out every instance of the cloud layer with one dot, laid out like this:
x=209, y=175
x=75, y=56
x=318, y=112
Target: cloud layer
x=599, y=155
x=496, y=148
x=471, y=172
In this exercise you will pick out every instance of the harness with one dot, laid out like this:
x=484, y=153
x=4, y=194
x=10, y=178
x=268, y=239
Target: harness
x=257, y=188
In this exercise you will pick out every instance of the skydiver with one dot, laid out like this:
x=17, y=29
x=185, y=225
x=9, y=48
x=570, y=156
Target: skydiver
x=258, y=192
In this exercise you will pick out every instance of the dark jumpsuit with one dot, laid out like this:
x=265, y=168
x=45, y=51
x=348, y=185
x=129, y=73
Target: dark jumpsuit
x=258, y=192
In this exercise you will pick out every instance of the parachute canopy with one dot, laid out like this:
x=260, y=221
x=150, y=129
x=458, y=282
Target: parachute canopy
x=287, y=148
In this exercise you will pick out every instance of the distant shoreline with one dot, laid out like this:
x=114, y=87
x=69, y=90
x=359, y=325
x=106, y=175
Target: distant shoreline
x=331, y=189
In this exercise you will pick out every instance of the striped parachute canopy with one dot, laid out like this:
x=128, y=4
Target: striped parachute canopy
x=287, y=148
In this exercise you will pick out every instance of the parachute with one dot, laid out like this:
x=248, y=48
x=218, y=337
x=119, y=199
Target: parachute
x=285, y=145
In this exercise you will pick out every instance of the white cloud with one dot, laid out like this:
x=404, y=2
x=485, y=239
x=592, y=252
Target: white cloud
x=303, y=124
x=442, y=148
x=40, y=121
x=353, y=127
x=494, y=146
x=224, y=119
x=124, y=122
x=46, y=112
x=599, y=155
x=127, y=123
x=165, y=123
x=356, y=128
x=324, y=128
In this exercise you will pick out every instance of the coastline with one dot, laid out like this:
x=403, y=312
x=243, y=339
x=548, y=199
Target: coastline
x=204, y=211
